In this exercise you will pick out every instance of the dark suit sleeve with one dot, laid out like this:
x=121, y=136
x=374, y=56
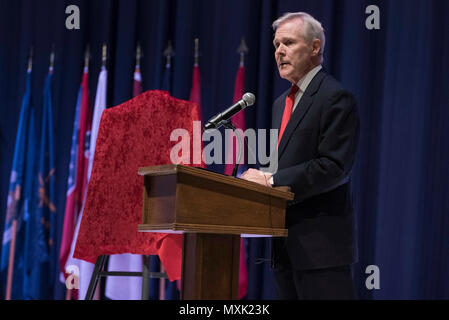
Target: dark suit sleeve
x=338, y=137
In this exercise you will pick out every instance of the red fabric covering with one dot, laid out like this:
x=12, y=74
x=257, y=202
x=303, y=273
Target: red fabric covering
x=132, y=135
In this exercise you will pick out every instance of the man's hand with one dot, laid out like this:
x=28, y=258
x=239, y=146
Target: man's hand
x=257, y=176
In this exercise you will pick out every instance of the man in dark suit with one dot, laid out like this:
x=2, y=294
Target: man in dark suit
x=318, y=133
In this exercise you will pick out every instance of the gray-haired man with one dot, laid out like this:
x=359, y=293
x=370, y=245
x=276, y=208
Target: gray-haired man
x=318, y=133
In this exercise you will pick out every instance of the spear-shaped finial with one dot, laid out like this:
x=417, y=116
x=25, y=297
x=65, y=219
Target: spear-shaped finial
x=86, y=58
x=242, y=50
x=52, y=59
x=169, y=53
x=104, y=55
x=30, y=60
x=197, y=54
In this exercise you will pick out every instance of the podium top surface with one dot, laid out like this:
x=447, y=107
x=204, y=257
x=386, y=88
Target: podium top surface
x=279, y=192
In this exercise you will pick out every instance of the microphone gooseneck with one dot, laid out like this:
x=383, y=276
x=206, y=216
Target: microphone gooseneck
x=216, y=122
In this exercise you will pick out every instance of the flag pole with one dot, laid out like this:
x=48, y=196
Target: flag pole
x=12, y=248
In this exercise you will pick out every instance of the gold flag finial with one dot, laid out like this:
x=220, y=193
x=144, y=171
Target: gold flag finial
x=86, y=58
x=197, y=54
x=242, y=50
x=30, y=60
x=104, y=54
x=52, y=59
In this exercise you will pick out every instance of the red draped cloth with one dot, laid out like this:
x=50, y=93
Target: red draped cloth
x=132, y=135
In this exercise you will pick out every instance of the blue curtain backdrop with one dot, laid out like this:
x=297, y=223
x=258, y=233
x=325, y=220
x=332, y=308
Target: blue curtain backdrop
x=399, y=75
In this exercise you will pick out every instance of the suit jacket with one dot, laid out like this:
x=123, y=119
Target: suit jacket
x=315, y=157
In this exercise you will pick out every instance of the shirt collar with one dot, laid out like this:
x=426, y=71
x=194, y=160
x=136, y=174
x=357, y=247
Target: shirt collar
x=304, y=82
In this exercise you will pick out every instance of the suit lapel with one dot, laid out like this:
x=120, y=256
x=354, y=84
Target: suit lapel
x=278, y=111
x=300, y=111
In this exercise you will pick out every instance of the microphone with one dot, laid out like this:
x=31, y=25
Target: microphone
x=216, y=122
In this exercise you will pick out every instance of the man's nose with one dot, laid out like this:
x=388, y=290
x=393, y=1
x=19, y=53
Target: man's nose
x=280, y=50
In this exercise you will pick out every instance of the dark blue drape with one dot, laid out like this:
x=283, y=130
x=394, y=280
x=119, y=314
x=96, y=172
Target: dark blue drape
x=398, y=75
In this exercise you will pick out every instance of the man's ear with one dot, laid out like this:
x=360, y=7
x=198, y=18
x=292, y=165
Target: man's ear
x=316, y=46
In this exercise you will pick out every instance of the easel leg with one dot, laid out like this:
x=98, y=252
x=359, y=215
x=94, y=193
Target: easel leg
x=99, y=264
x=145, y=277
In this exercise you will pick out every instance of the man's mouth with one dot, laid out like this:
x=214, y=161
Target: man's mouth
x=282, y=64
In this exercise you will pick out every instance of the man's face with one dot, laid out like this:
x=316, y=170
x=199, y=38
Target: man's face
x=293, y=54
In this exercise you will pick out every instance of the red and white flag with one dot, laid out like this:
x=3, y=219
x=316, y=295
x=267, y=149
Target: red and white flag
x=195, y=92
x=195, y=97
x=77, y=181
x=85, y=269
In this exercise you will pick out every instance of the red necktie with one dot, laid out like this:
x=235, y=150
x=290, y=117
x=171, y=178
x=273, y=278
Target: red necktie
x=289, y=101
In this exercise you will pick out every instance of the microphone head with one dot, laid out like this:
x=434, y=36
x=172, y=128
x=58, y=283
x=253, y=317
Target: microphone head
x=209, y=126
x=249, y=99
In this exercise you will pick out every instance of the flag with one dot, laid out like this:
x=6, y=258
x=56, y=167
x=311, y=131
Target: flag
x=86, y=269
x=40, y=251
x=239, y=122
x=195, y=92
x=19, y=199
x=195, y=97
x=70, y=213
x=77, y=180
x=100, y=106
x=126, y=288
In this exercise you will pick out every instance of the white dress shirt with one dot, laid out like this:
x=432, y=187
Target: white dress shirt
x=302, y=84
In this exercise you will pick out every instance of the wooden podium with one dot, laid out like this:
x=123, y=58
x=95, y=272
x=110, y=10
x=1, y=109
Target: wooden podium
x=211, y=210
